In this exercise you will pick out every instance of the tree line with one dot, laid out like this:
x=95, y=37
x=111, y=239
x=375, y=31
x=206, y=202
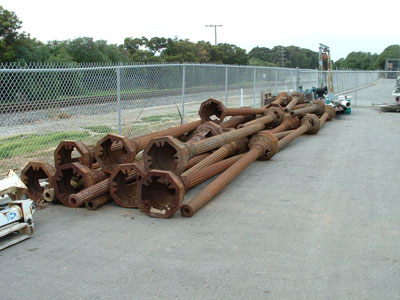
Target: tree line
x=20, y=47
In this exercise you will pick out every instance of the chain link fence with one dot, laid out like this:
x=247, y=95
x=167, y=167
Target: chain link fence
x=43, y=104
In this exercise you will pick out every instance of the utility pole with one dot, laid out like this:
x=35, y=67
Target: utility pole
x=215, y=29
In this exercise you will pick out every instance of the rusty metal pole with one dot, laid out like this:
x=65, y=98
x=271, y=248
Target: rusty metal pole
x=282, y=99
x=234, y=121
x=317, y=107
x=161, y=193
x=230, y=149
x=214, y=110
x=167, y=153
x=263, y=145
x=329, y=114
x=288, y=123
x=297, y=98
x=281, y=135
x=309, y=124
x=33, y=173
x=121, y=185
x=115, y=149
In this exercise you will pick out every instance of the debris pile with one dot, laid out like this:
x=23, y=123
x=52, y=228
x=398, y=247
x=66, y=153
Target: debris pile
x=152, y=172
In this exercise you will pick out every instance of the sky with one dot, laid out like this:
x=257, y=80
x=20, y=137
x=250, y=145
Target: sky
x=344, y=26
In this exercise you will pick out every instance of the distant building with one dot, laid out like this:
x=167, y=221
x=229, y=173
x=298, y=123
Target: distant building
x=392, y=64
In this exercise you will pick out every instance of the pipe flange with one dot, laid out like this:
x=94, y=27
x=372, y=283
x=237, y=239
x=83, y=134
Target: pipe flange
x=31, y=175
x=113, y=150
x=124, y=183
x=212, y=110
x=166, y=153
x=266, y=142
x=161, y=194
x=277, y=112
x=312, y=122
x=63, y=153
x=206, y=130
x=291, y=122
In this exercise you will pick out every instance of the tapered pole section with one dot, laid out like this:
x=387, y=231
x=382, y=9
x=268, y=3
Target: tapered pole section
x=235, y=121
x=167, y=153
x=297, y=98
x=288, y=123
x=310, y=124
x=282, y=99
x=161, y=193
x=226, y=150
x=100, y=188
x=317, y=107
x=261, y=144
x=281, y=135
x=214, y=110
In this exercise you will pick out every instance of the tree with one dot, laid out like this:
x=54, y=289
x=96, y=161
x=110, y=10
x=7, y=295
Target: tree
x=392, y=51
x=228, y=54
x=9, y=26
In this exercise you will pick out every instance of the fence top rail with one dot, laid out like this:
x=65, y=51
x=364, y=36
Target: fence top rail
x=138, y=66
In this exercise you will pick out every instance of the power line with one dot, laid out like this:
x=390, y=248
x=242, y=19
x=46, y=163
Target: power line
x=215, y=28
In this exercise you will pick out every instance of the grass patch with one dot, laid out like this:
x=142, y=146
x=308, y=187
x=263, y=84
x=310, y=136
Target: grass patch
x=28, y=143
x=100, y=129
x=159, y=117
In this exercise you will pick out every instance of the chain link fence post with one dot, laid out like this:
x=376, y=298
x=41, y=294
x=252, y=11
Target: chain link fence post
x=118, y=70
x=276, y=81
x=297, y=79
x=183, y=94
x=355, y=92
x=226, y=86
x=254, y=91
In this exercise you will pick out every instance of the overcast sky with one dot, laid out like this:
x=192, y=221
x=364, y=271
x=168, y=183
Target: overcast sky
x=345, y=26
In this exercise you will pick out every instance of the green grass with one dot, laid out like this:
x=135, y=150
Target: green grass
x=159, y=117
x=29, y=143
x=100, y=129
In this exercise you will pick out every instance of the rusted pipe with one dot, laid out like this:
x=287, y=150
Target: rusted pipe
x=273, y=114
x=317, y=107
x=309, y=124
x=281, y=135
x=282, y=99
x=32, y=175
x=297, y=98
x=230, y=149
x=263, y=145
x=329, y=114
x=167, y=153
x=67, y=174
x=215, y=111
x=115, y=149
x=161, y=193
x=49, y=195
x=288, y=123
x=95, y=203
x=234, y=121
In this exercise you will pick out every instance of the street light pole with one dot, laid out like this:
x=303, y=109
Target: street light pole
x=215, y=29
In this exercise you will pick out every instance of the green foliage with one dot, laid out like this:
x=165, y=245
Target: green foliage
x=392, y=51
x=9, y=26
x=292, y=57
